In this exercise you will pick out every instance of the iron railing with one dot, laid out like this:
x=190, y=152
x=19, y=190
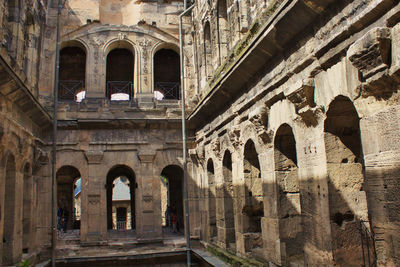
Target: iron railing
x=367, y=245
x=170, y=90
x=67, y=89
x=122, y=87
x=121, y=225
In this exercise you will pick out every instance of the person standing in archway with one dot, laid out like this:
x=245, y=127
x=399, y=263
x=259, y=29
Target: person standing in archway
x=168, y=217
x=59, y=218
x=65, y=219
x=174, y=222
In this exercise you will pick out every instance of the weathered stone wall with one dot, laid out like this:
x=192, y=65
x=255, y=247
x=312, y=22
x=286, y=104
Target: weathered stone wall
x=294, y=108
x=22, y=23
x=94, y=153
x=334, y=84
x=24, y=183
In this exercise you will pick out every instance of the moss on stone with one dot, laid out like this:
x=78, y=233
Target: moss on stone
x=240, y=48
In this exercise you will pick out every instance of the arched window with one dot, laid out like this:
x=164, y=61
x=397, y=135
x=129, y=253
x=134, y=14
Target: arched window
x=207, y=51
x=71, y=85
x=166, y=74
x=119, y=77
x=253, y=209
x=347, y=199
x=12, y=29
x=289, y=206
x=223, y=29
x=228, y=199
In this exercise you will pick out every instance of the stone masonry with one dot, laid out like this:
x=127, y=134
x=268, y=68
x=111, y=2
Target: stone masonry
x=293, y=126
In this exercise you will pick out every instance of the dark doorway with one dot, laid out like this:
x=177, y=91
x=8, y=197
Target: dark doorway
x=228, y=234
x=121, y=218
x=174, y=175
x=347, y=199
x=67, y=199
x=212, y=205
x=289, y=205
x=27, y=209
x=253, y=209
x=9, y=230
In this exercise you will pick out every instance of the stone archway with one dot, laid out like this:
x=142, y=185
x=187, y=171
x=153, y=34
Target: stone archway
x=289, y=206
x=10, y=255
x=67, y=196
x=347, y=199
x=253, y=209
x=226, y=223
x=27, y=208
x=121, y=184
x=212, y=205
x=173, y=176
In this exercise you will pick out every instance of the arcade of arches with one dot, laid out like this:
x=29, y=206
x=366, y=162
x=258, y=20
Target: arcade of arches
x=292, y=129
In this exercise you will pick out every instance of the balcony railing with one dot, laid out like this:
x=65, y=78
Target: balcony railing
x=67, y=89
x=121, y=225
x=169, y=90
x=120, y=87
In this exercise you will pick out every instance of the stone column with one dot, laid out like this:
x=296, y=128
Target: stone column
x=95, y=70
x=219, y=195
x=381, y=147
x=143, y=85
x=148, y=209
x=93, y=201
x=270, y=222
x=17, y=243
x=314, y=196
x=377, y=57
x=242, y=220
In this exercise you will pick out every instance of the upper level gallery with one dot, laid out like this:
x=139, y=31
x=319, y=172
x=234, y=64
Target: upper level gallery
x=123, y=53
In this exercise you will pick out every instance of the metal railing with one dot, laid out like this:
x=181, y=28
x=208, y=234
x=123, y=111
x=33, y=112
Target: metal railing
x=367, y=245
x=120, y=87
x=67, y=89
x=121, y=225
x=170, y=90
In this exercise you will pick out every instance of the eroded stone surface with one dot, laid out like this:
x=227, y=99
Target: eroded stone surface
x=293, y=121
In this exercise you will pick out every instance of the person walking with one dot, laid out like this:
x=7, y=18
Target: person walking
x=174, y=222
x=167, y=217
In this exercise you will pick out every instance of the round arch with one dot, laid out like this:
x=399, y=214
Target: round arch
x=121, y=69
x=9, y=195
x=172, y=195
x=116, y=177
x=68, y=201
x=289, y=204
x=345, y=174
x=27, y=192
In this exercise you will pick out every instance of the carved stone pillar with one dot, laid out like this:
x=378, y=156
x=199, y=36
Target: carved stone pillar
x=93, y=225
x=95, y=70
x=144, y=93
x=148, y=210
